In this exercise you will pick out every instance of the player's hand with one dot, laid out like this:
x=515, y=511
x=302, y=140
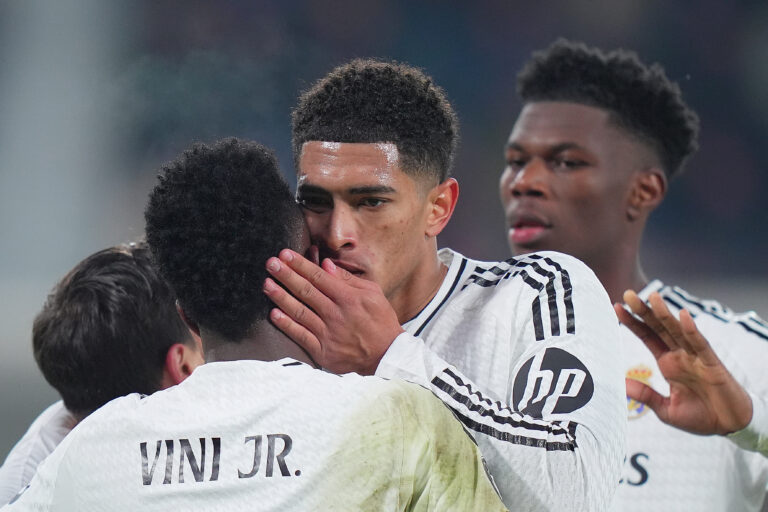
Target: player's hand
x=345, y=323
x=704, y=398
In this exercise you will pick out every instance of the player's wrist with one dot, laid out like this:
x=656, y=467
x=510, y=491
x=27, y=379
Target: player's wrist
x=374, y=361
x=743, y=413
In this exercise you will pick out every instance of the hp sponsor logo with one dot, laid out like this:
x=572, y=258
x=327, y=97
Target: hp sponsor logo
x=552, y=382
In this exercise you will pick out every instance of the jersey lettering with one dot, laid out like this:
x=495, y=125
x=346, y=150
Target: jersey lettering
x=193, y=461
x=272, y=457
x=636, y=464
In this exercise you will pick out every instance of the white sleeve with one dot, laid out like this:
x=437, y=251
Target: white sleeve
x=42, y=437
x=557, y=441
x=41, y=492
x=754, y=437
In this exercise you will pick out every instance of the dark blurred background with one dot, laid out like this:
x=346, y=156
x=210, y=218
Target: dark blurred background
x=95, y=95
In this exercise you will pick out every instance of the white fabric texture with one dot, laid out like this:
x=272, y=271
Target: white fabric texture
x=524, y=352
x=40, y=439
x=672, y=470
x=253, y=435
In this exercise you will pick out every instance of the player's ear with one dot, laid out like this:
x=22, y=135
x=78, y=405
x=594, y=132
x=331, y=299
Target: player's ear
x=440, y=203
x=180, y=361
x=647, y=191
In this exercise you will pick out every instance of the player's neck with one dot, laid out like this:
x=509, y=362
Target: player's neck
x=415, y=293
x=619, y=273
x=264, y=343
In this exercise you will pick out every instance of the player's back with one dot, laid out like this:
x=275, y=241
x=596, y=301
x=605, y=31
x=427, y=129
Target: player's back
x=251, y=435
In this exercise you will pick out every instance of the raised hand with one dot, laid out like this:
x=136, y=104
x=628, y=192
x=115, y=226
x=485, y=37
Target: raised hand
x=704, y=398
x=345, y=323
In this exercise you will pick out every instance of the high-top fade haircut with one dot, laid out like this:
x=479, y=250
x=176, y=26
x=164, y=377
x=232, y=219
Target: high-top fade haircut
x=370, y=101
x=217, y=214
x=106, y=328
x=640, y=98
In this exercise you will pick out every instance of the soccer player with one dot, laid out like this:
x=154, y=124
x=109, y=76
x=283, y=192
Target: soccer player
x=257, y=427
x=533, y=338
x=108, y=328
x=589, y=158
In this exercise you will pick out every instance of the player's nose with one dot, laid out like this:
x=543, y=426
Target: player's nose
x=342, y=229
x=531, y=180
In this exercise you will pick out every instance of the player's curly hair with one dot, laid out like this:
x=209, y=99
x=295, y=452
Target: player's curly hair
x=217, y=214
x=641, y=98
x=371, y=101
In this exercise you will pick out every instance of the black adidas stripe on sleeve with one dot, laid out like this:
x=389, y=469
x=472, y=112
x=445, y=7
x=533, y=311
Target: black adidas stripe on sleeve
x=483, y=415
x=543, y=275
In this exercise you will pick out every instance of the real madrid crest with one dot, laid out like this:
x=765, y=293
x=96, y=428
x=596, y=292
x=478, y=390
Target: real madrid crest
x=640, y=373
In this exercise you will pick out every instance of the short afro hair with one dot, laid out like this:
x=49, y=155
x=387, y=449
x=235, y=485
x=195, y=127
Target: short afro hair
x=640, y=98
x=106, y=328
x=217, y=214
x=371, y=101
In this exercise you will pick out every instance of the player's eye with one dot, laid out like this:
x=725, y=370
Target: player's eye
x=314, y=203
x=371, y=202
x=516, y=162
x=569, y=163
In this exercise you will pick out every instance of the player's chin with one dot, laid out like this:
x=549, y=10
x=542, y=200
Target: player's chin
x=519, y=248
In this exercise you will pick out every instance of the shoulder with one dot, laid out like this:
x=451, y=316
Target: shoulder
x=539, y=281
x=406, y=404
x=41, y=438
x=51, y=425
x=534, y=271
x=713, y=316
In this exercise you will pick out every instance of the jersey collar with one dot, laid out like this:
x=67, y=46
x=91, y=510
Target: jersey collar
x=456, y=268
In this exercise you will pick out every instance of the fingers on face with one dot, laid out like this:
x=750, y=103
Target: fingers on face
x=291, y=307
x=334, y=270
x=303, y=289
x=314, y=254
x=308, y=271
x=297, y=332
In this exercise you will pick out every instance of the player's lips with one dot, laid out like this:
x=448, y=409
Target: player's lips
x=527, y=228
x=349, y=267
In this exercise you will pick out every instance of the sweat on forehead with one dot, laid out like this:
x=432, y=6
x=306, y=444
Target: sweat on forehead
x=388, y=149
x=358, y=168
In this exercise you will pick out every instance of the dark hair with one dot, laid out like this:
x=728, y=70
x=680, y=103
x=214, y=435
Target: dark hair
x=640, y=98
x=372, y=101
x=106, y=328
x=215, y=217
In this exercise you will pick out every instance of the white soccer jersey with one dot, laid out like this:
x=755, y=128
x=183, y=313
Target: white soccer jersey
x=252, y=435
x=533, y=343
x=672, y=470
x=40, y=439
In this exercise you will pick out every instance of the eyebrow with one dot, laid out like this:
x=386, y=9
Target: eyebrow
x=369, y=189
x=372, y=189
x=555, y=149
